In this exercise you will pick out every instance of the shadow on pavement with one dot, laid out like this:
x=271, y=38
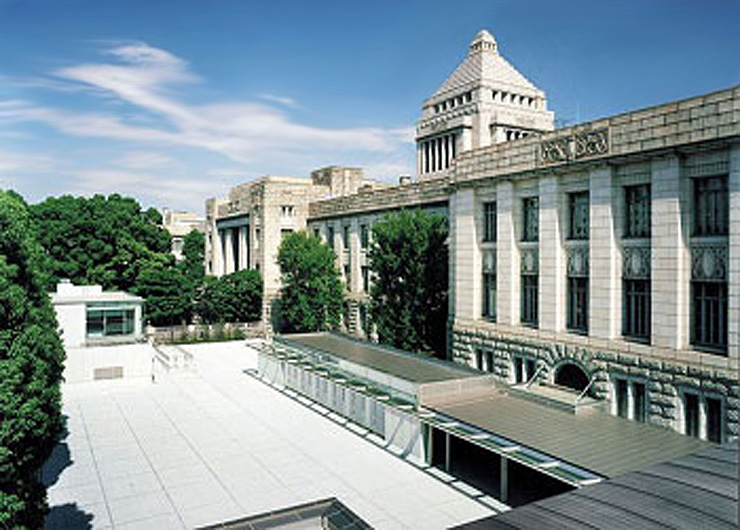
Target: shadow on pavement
x=68, y=516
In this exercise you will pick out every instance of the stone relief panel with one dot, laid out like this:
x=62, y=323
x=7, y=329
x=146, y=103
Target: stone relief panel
x=709, y=262
x=577, y=261
x=530, y=260
x=581, y=145
x=636, y=262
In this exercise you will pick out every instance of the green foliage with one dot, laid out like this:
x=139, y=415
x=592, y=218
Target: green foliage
x=311, y=295
x=193, y=251
x=235, y=297
x=408, y=260
x=168, y=292
x=31, y=363
x=100, y=240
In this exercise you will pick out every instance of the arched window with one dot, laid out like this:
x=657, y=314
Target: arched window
x=571, y=376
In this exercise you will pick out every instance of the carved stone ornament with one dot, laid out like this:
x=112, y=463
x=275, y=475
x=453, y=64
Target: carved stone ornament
x=582, y=145
x=577, y=261
x=636, y=263
x=489, y=261
x=530, y=261
x=709, y=262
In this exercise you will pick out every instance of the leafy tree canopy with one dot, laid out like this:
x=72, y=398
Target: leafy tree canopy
x=311, y=295
x=235, y=297
x=193, y=251
x=31, y=363
x=408, y=260
x=168, y=292
x=100, y=240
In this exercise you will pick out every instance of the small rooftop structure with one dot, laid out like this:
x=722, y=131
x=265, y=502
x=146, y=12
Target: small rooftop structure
x=695, y=491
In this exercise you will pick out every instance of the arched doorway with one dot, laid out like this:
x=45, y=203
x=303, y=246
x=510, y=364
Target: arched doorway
x=571, y=375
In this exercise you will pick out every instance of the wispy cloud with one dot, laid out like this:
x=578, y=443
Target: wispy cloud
x=144, y=160
x=283, y=100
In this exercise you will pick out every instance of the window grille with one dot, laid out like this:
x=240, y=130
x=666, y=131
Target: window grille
x=531, y=219
x=636, y=309
x=578, y=304
x=691, y=415
x=579, y=215
x=530, y=292
x=711, y=206
x=637, y=211
x=489, y=222
x=489, y=296
x=709, y=315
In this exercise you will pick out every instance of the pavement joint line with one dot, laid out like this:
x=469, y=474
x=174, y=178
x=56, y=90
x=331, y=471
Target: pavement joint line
x=421, y=467
x=193, y=448
x=97, y=470
x=148, y=461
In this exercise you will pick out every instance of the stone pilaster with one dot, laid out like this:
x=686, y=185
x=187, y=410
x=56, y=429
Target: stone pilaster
x=465, y=255
x=354, y=256
x=670, y=274
x=604, y=316
x=552, y=273
x=507, y=257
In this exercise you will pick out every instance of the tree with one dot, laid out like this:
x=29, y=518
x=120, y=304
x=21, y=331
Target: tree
x=311, y=295
x=408, y=260
x=100, y=240
x=235, y=297
x=168, y=292
x=31, y=364
x=193, y=251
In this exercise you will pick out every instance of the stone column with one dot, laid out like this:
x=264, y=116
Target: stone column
x=229, y=254
x=243, y=261
x=465, y=255
x=217, y=251
x=552, y=266
x=507, y=257
x=604, y=316
x=670, y=260
x=733, y=278
x=354, y=257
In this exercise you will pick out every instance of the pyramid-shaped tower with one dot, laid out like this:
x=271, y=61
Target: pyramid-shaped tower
x=484, y=101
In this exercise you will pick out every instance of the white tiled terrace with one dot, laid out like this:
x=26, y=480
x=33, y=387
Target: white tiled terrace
x=215, y=444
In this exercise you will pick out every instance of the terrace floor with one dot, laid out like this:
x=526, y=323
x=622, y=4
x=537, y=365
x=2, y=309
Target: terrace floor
x=214, y=444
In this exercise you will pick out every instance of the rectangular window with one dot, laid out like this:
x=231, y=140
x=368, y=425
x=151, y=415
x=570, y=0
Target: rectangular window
x=479, y=360
x=489, y=296
x=639, y=403
x=636, y=300
x=637, y=211
x=530, y=293
x=489, y=222
x=489, y=361
x=578, y=304
x=518, y=370
x=530, y=219
x=622, y=397
x=364, y=237
x=345, y=237
x=691, y=415
x=103, y=322
x=95, y=325
x=317, y=233
x=530, y=366
x=711, y=206
x=330, y=236
x=578, y=208
x=709, y=316
x=714, y=420
x=347, y=277
x=365, y=278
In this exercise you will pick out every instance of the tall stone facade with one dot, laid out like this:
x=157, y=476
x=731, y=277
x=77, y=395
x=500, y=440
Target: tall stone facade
x=604, y=257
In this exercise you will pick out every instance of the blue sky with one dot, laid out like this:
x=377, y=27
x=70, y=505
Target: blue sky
x=173, y=101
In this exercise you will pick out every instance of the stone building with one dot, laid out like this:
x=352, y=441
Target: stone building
x=180, y=224
x=594, y=262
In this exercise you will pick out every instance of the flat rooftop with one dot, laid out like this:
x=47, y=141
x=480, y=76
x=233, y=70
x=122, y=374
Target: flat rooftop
x=393, y=362
x=695, y=491
x=596, y=441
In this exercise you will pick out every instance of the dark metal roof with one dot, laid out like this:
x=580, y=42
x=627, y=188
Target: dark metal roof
x=695, y=491
x=406, y=366
x=596, y=441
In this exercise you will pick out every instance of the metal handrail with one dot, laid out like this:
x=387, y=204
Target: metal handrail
x=588, y=386
x=534, y=377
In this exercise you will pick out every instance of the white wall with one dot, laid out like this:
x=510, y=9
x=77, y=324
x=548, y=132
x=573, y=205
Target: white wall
x=72, y=319
x=134, y=359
